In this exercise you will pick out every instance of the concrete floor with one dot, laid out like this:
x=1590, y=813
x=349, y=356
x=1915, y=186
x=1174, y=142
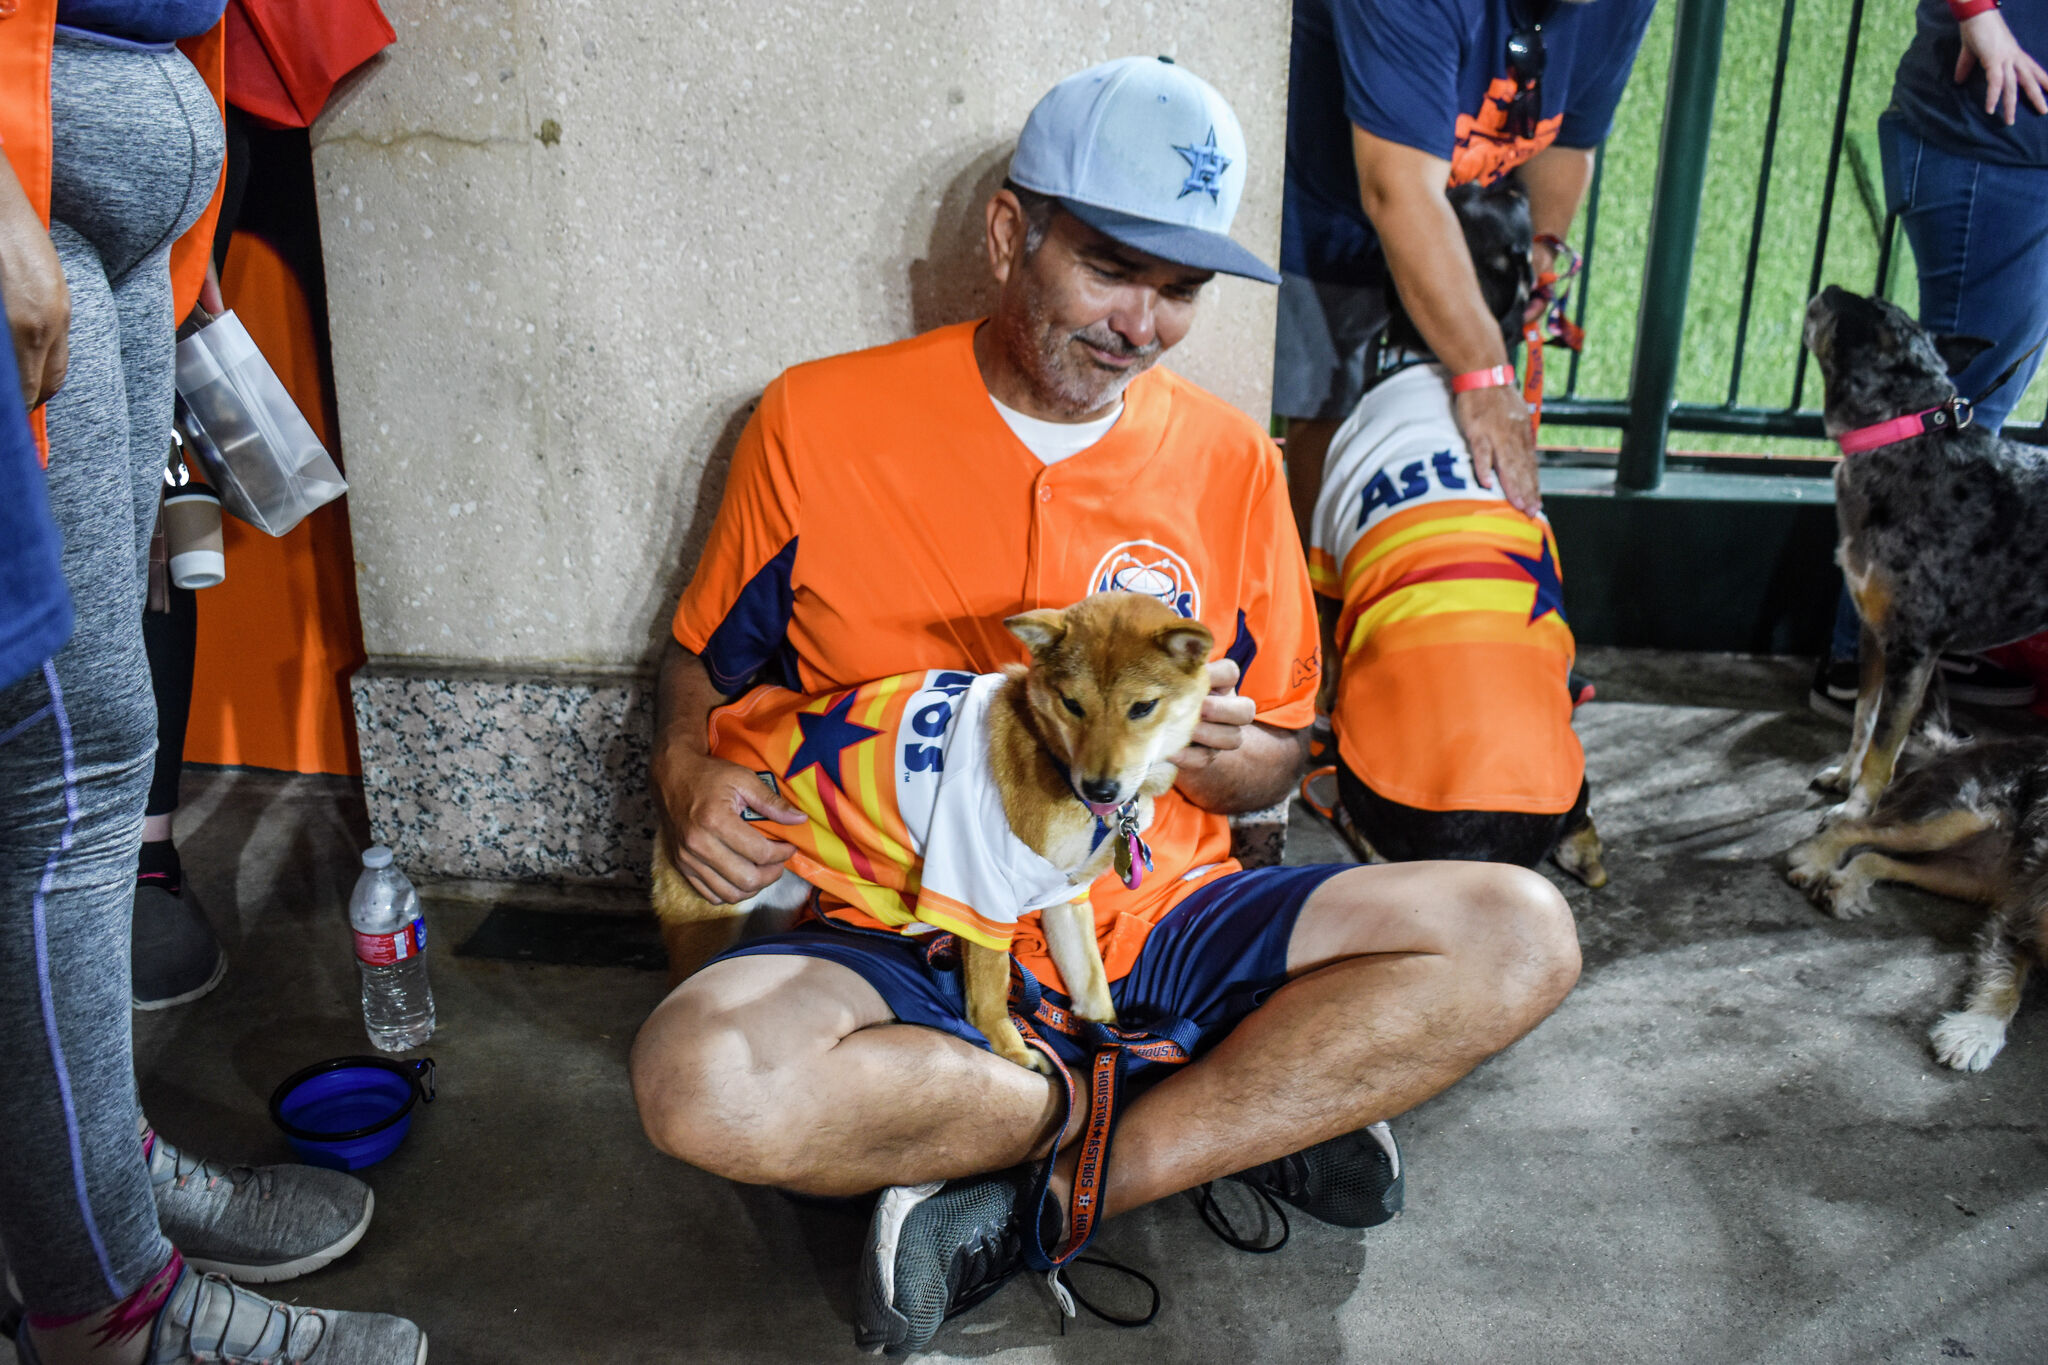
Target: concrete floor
x=1729, y=1144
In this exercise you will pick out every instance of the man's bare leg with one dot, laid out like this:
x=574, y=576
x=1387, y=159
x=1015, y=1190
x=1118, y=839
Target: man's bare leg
x=786, y=1071
x=1405, y=976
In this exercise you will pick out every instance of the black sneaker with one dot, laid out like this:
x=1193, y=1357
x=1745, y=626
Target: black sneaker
x=933, y=1251
x=174, y=954
x=1975, y=679
x=1835, y=683
x=1352, y=1181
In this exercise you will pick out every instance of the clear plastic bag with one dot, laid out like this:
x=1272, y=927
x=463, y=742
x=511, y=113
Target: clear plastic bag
x=255, y=446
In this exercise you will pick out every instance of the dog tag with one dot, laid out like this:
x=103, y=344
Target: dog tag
x=1120, y=856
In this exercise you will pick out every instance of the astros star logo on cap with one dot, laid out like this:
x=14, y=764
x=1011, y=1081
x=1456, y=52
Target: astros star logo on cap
x=1206, y=166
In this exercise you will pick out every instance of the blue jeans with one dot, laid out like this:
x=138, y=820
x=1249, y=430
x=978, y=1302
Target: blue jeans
x=1980, y=237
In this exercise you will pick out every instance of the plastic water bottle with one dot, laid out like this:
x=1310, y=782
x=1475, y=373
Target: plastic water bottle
x=391, y=951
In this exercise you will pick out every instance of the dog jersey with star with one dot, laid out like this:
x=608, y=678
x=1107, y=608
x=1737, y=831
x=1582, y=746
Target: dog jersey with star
x=906, y=822
x=1452, y=694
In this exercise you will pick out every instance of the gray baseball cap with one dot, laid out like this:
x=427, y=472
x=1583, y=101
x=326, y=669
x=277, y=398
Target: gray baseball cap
x=1147, y=154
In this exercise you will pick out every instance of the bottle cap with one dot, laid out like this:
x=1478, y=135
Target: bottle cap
x=376, y=856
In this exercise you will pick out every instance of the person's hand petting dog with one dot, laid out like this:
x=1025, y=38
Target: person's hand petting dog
x=1495, y=422
x=1988, y=42
x=38, y=301
x=1224, y=718
x=705, y=802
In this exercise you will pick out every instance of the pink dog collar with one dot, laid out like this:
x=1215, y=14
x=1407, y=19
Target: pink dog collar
x=1952, y=415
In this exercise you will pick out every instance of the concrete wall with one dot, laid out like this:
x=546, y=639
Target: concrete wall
x=568, y=243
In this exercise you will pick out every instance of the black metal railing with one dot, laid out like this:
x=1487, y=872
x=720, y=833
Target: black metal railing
x=1647, y=413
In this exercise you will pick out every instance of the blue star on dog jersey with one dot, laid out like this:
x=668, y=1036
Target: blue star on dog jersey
x=825, y=737
x=1549, y=587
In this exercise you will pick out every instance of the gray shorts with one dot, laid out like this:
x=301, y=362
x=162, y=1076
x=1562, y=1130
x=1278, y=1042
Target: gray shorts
x=1324, y=341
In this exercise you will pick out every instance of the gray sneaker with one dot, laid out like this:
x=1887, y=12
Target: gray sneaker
x=209, y=1319
x=256, y=1223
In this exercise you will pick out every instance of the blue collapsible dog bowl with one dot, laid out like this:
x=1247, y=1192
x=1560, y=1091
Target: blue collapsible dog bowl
x=350, y=1112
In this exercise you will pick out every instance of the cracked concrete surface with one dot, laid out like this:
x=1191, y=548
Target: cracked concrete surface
x=1730, y=1143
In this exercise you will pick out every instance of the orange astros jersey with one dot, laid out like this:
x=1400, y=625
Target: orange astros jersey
x=881, y=518
x=906, y=821
x=1452, y=693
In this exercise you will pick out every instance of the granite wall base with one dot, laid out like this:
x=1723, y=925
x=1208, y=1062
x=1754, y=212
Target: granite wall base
x=481, y=777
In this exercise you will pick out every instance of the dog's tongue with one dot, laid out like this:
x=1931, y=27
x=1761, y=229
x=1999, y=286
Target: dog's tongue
x=1101, y=810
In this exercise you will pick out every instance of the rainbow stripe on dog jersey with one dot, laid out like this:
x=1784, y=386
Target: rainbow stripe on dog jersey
x=907, y=829
x=1453, y=692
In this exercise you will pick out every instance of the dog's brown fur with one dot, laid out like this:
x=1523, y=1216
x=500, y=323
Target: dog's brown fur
x=1103, y=655
x=1973, y=824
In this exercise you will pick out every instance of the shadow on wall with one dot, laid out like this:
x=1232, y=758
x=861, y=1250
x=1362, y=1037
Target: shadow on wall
x=950, y=280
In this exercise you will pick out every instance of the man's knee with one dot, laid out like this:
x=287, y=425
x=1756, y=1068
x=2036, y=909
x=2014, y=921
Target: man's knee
x=1530, y=940
x=710, y=1094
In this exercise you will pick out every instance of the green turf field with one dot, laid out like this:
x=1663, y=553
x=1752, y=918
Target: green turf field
x=1791, y=223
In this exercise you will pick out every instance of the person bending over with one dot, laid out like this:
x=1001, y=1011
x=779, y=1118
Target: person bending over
x=1389, y=103
x=886, y=511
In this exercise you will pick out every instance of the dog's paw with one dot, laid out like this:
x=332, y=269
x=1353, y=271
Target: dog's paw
x=1857, y=807
x=1809, y=868
x=1843, y=895
x=1833, y=778
x=1579, y=853
x=1966, y=1041
x=1008, y=1044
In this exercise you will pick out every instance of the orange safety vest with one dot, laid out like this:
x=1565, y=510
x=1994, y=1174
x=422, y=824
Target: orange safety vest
x=28, y=30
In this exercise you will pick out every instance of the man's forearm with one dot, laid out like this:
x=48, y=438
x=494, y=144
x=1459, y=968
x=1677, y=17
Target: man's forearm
x=1556, y=179
x=1402, y=193
x=1259, y=773
x=684, y=699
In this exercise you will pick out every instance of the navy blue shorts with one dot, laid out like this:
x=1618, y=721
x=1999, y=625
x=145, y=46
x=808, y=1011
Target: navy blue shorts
x=1212, y=960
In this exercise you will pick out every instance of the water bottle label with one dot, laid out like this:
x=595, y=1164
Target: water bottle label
x=381, y=950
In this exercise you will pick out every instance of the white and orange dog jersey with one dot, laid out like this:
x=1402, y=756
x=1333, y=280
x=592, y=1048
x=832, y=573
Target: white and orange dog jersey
x=1452, y=637
x=906, y=824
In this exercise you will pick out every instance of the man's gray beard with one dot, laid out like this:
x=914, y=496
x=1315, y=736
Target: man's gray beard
x=1078, y=394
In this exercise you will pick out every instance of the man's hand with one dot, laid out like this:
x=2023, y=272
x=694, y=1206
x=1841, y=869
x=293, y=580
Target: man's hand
x=703, y=800
x=38, y=302
x=1495, y=423
x=2007, y=67
x=1224, y=716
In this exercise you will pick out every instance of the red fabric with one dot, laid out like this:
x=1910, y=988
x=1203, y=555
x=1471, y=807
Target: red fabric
x=2028, y=657
x=286, y=56
x=1960, y=10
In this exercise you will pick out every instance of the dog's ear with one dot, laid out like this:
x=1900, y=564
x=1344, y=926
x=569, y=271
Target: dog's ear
x=1958, y=352
x=1039, y=630
x=1188, y=642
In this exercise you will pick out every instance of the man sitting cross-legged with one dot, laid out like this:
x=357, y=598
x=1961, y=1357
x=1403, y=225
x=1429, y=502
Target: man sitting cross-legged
x=886, y=512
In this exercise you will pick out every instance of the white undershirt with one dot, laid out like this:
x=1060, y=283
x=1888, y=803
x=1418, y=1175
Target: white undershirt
x=1052, y=442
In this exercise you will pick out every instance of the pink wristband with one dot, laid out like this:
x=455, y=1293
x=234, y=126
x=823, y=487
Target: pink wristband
x=1960, y=10
x=1498, y=376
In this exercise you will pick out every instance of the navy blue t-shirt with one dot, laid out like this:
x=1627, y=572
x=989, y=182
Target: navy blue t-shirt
x=1431, y=74
x=35, y=606
x=1925, y=94
x=141, y=21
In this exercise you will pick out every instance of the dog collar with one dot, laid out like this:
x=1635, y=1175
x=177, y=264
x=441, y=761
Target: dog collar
x=1132, y=855
x=1953, y=415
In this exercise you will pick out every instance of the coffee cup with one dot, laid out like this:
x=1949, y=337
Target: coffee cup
x=192, y=537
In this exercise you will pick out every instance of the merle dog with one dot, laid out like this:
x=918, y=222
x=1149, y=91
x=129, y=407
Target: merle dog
x=1975, y=826
x=1944, y=532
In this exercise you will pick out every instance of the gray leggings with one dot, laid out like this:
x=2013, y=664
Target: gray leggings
x=137, y=151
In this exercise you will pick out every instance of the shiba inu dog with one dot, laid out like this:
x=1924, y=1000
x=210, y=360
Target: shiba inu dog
x=956, y=802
